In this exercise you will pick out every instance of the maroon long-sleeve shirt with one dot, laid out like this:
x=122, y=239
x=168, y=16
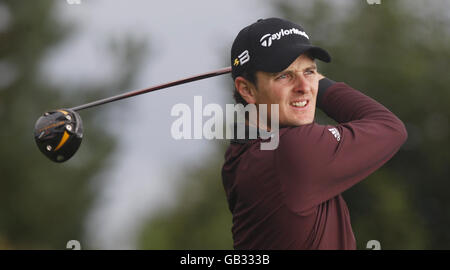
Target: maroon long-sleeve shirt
x=290, y=197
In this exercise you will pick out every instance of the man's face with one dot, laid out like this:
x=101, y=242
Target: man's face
x=294, y=89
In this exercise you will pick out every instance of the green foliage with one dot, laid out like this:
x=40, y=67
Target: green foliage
x=42, y=204
x=200, y=218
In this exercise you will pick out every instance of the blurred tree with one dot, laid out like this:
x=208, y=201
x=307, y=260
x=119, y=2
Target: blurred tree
x=397, y=53
x=200, y=218
x=43, y=204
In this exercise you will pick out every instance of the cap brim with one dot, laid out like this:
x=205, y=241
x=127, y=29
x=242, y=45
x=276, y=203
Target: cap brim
x=279, y=62
x=320, y=54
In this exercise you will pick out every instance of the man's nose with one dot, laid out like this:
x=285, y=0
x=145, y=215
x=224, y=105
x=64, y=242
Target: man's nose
x=301, y=83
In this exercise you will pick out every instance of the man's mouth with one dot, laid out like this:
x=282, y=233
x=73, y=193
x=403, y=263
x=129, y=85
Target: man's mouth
x=299, y=104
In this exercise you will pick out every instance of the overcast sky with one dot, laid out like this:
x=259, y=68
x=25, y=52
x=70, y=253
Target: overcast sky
x=186, y=38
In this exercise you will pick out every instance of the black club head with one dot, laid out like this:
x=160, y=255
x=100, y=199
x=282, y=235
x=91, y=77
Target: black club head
x=58, y=134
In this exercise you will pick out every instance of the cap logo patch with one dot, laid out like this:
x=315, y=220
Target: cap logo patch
x=243, y=58
x=266, y=40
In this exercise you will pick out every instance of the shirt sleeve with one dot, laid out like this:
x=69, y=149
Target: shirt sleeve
x=317, y=162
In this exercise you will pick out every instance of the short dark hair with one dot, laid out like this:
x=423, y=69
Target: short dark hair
x=249, y=75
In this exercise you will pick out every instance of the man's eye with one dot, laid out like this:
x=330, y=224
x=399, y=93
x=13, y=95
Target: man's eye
x=283, y=76
x=309, y=72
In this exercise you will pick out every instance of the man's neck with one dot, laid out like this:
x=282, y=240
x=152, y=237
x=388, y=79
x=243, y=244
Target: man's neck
x=257, y=125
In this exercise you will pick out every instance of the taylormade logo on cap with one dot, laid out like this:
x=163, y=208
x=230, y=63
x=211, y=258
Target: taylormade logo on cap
x=266, y=40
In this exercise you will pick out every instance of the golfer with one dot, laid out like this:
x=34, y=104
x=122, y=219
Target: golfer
x=290, y=197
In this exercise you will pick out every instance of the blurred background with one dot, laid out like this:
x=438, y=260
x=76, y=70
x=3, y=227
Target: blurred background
x=132, y=186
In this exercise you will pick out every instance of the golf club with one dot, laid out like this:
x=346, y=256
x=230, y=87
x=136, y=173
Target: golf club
x=58, y=133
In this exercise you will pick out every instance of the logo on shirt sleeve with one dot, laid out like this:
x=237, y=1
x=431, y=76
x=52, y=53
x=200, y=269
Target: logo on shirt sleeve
x=335, y=133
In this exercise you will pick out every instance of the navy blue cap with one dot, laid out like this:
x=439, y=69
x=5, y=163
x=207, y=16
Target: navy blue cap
x=271, y=45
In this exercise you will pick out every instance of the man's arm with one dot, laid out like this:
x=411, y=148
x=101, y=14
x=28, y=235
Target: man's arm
x=317, y=162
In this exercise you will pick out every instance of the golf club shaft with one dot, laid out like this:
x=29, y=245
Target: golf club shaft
x=153, y=88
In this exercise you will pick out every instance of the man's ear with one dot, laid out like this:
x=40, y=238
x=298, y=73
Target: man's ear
x=246, y=89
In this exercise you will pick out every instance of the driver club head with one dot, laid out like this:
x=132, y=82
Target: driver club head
x=58, y=134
